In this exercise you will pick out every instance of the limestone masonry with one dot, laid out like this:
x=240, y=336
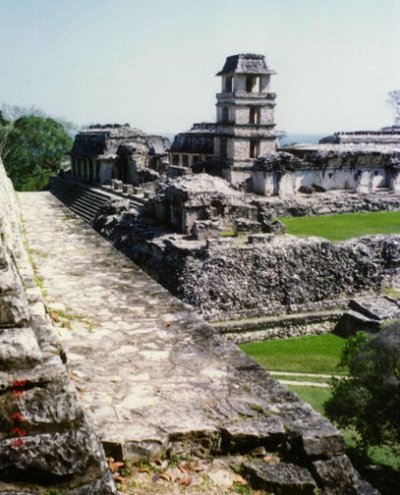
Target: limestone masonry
x=45, y=439
x=156, y=381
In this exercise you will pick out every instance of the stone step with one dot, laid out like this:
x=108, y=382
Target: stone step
x=82, y=200
x=85, y=203
x=83, y=210
x=87, y=196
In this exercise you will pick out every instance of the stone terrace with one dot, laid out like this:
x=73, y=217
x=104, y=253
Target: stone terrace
x=154, y=378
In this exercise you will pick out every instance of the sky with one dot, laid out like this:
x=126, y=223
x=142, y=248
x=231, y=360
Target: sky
x=152, y=63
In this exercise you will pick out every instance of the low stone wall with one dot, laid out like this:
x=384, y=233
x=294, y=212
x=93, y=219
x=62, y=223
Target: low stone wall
x=288, y=275
x=278, y=327
x=229, y=279
x=45, y=440
x=330, y=203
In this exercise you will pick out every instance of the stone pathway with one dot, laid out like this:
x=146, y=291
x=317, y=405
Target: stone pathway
x=147, y=368
x=154, y=378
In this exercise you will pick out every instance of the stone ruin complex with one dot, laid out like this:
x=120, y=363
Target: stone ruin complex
x=241, y=147
x=198, y=215
x=214, y=195
x=240, y=411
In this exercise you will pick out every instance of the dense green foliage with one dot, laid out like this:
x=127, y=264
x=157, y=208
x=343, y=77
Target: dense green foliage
x=311, y=354
x=344, y=226
x=32, y=148
x=369, y=400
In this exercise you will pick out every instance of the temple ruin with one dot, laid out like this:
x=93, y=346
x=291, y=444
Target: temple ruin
x=241, y=147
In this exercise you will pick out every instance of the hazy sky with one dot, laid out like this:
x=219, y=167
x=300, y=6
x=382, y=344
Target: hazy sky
x=152, y=63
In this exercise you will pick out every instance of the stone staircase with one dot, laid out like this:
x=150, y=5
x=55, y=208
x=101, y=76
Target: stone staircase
x=86, y=200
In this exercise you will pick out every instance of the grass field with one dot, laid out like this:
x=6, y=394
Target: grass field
x=315, y=396
x=344, y=226
x=312, y=354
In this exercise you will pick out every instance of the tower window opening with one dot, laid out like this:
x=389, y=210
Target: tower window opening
x=228, y=84
x=225, y=114
x=254, y=117
x=175, y=159
x=185, y=160
x=251, y=84
x=254, y=149
x=224, y=147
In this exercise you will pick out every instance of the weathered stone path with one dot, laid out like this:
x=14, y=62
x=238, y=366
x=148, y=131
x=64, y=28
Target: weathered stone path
x=145, y=366
x=153, y=376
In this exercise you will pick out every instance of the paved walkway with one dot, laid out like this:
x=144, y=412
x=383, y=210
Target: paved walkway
x=147, y=369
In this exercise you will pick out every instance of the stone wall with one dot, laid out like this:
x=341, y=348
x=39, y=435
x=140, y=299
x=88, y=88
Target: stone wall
x=45, y=440
x=330, y=203
x=287, y=275
x=229, y=278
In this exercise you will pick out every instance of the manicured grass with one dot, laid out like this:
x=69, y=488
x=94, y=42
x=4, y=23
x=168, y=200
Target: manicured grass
x=315, y=396
x=344, y=226
x=312, y=354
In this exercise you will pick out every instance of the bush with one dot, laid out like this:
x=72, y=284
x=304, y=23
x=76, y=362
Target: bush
x=368, y=401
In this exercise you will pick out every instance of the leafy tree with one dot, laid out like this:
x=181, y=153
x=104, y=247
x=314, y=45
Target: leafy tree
x=394, y=102
x=32, y=148
x=369, y=399
x=3, y=120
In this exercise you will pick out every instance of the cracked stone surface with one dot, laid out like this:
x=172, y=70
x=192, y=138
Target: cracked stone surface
x=150, y=373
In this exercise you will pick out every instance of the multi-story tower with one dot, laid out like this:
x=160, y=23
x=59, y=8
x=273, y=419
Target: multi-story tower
x=245, y=115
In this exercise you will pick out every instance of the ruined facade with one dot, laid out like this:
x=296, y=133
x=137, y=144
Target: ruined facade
x=241, y=147
x=200, y=202
x=103, y=153
x=321, y=168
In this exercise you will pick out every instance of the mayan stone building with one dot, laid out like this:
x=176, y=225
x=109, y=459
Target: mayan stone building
x=112, y=151
x=245, y=124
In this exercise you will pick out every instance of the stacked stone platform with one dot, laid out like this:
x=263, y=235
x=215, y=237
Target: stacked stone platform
x=46, y=443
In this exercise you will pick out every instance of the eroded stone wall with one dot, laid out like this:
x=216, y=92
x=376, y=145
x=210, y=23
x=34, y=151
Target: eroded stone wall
x=231, y=278
x=45, y=440
x=287, y=275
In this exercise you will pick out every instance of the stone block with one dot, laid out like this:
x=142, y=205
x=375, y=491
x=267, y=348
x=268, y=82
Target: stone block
x=377, y=308
x=52, y=456
x=18, y=348
x=245, y=435
x=206, y=229
x=127, y=188
x=352, y=322
x=329, y=471
x=44, y=407
x=280, y=477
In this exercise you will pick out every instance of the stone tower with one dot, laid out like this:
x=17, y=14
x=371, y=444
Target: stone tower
x=245, y=115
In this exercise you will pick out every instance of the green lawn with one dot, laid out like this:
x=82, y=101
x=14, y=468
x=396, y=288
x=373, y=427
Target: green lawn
x=312, y=354
x=315, y=396
x=344, y=226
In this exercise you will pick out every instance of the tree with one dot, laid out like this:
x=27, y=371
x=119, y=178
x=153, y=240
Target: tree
x=369, y=399
x=394, y=102
x=33, y=147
